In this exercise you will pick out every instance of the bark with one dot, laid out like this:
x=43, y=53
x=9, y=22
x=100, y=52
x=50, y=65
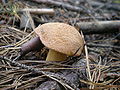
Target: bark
x=99, y=27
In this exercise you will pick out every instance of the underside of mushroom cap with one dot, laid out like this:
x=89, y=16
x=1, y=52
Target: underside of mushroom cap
x=61, y=37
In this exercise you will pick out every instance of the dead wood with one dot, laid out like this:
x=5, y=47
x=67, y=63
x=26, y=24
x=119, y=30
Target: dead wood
x=38, y=11
x=108, y=6
x=99, y=27
x=56, y=3
x=102, y=45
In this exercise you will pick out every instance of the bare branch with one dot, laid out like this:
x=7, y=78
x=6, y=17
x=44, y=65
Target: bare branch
x=38, y=11
x=56, y=3
x=99, y=27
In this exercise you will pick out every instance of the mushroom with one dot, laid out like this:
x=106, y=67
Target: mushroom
x=62, y=40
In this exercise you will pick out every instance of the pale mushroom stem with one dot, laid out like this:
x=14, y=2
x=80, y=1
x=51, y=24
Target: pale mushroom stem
x=55, y=56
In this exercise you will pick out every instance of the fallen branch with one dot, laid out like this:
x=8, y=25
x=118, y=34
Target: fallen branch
x=99, y=27
x=65, y=5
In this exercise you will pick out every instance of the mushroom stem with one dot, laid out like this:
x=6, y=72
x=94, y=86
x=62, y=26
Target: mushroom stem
x=55, y=56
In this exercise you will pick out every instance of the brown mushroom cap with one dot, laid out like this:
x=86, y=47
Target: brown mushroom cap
x=60, y=37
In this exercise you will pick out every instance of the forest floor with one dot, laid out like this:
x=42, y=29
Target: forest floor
x=98, y=67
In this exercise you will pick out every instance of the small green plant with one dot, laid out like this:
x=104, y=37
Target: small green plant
x=9, y=9
x=117, y=1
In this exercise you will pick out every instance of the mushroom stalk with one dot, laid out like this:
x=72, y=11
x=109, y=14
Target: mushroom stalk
x=55, y=56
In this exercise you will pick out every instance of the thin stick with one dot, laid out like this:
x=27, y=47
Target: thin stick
x=102, y=45
x=87, y=60
x=38, y=11
x=24, y=39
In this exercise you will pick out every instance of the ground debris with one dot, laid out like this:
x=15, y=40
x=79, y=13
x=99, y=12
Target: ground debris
x=31, y=71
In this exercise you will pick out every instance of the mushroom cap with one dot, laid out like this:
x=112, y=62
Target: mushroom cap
x=61, y=37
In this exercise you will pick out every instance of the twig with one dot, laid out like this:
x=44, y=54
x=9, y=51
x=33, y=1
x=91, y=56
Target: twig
x=102, y=45
x=31, y=20
x=87, y=60
x=103, y=5
x=101, y=85
x=65, y=5
x=4, y=1
x=108, y=6
x=17, y=30
x=38, y=11
x=99, y=26
x=24, y=39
